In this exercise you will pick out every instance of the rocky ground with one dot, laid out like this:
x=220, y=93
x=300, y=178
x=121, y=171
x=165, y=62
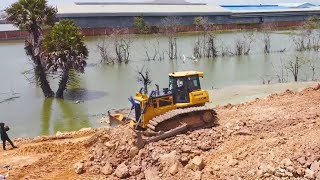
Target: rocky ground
x=272, y=138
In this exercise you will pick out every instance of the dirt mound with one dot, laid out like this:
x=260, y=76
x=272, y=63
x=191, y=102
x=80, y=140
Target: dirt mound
x=271, y=138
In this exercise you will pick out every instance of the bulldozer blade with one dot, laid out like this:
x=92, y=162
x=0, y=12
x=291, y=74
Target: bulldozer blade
x=167, y=134
x=116, y=119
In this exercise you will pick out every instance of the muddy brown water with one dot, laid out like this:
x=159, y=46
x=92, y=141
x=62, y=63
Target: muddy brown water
x=105, y=87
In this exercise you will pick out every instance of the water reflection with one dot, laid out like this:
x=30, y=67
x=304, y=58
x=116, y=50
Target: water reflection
x=63, y=115
x=81, y=94
x=73, y=117
x=46, y=115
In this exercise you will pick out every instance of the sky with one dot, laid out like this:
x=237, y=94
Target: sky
x=6, y=3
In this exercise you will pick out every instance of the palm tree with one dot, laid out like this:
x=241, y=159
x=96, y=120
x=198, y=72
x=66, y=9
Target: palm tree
x=32, y=16
x=64, y=52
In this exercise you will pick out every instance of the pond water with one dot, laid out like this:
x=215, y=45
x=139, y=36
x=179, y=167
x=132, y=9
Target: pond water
x=105, y=87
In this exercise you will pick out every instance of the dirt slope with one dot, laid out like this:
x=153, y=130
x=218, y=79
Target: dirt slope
x=272, y=138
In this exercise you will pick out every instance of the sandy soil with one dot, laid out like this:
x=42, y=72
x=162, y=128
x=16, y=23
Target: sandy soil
x=272, y=138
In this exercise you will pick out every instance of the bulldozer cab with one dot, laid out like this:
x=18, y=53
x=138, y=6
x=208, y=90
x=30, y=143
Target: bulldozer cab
x=181, y=84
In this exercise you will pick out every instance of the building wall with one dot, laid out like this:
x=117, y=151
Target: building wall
x=94, y=26
x=127, y=21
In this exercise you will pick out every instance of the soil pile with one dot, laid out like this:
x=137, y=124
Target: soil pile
x=272, y=138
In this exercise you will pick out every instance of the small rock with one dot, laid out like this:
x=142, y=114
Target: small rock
x=95, y=169
x=291, y=169
x=58, y=133
x=142, y=153
x=197, y=175
x=251, y=173
x=204, y=146
x=134, y=170
x=286, y=162
x=266, y=168
x=259, y=173
x=155, y=156
x=133, y=151
x=243, y=132
x=282, y=170
x=267, y=175
x=109, y=145
x=169, y=159
x=233, y=162
x=185, y=149
x=184, y=159
x=318, y=176
x=174, y=169
x=197, y=152
x=302, y=160
x=144, y=165
x=91, y=158
x=85, y=129
x=122, y=171
x=300, y=171
x=107, y=169
x=309, y=174
x=151, y=174
x=78, y=168
x=315, y=166
x=196, y=163
x=216, y=168
x=140, y=176
x=288, y=174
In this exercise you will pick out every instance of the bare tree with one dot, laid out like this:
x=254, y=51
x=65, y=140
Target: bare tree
x=225, y=51
x=294, y=65
x=115, y=47
x=266, y=79
x=243, y=44
x=104, y=48
x=152, y=49
x=171, y=27
x=205, y=44
x=313, y=70
x=144, y=78
x=312, y=27
x=266, y=32
x=281, y=72
x=122, y=42
x=298, y=41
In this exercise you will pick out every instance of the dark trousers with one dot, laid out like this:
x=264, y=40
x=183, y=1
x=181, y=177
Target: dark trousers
x=4, y=143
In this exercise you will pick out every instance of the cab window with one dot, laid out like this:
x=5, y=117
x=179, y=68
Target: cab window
x=193, y=83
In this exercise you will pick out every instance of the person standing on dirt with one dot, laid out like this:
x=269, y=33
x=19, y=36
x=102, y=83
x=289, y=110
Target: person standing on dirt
x=5, y=137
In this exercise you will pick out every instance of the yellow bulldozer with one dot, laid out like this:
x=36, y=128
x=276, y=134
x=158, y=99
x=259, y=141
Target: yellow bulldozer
x=175, y=109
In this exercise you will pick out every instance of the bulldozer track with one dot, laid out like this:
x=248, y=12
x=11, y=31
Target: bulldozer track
x=193, y=117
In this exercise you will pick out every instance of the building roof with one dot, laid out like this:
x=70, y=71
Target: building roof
x=311, y=10
x=137, y=10
x=276, y=12
x=8, y=27
x=296, y=5
x=186, y=73
x=154, y=2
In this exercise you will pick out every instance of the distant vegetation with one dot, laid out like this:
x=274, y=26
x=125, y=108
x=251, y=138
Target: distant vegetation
x=142, y=26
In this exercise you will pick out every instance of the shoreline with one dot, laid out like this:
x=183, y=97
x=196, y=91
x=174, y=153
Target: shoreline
x=226, y=96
